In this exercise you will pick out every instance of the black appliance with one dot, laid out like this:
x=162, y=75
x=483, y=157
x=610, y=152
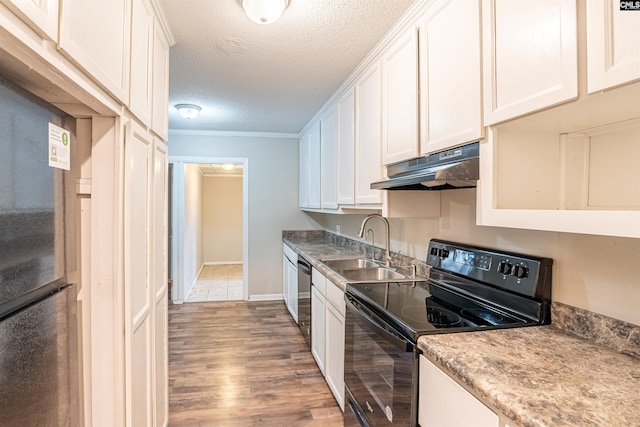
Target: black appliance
x=38, y=323
x=304, y=299
x=469, y=289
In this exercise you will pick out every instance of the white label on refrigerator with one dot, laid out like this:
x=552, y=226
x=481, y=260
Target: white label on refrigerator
x=59, y=147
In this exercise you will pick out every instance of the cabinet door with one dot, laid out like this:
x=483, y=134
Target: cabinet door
x=346, y=149
x=317, y=327
x=400, y=99
x=137, y=275
x=303, y=165
x=450, y=70
x=160, y=79
x=161, y=286
x=292, y=287
x=141, y=48
x=285, y=280
x=329, y=160
x=96, y=35
x=613, y=48
x=529, y=56
x=368, y=136
x=334, y=362
x=441, y=400
x=314, y=167
x=41, y=15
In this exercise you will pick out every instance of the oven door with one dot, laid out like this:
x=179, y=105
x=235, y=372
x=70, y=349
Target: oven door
x=380, y=372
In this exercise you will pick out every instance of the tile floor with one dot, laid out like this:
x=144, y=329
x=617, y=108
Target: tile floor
x=222, y=282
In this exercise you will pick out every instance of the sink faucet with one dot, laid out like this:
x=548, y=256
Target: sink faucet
x=387, y=254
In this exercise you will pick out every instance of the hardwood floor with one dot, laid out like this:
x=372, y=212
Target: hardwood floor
x=243, y=364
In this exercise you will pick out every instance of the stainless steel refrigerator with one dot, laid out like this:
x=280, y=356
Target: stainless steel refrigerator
x=38, y=323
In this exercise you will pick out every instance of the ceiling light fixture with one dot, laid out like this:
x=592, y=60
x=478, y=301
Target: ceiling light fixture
x=228, y=166
x=264, y=11
x=188, y=111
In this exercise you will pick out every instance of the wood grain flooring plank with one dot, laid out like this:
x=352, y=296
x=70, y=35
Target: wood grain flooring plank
x=243, y=364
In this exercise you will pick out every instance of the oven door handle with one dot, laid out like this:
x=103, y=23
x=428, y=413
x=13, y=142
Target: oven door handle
x=361, y=312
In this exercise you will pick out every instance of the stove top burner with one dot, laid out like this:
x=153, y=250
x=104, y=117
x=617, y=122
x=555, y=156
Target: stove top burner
x=441, y=317
x=488, y=316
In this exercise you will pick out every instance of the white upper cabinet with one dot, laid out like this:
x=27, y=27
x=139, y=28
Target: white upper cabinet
x=96, y=35
x=41, y=15
x=613, y=45
x=400, y=99
x=303, y=170
x=329, y=160
x=314, y=167
x=529, y=56
x=368, y=136
x=140, y=95
x=346, y=149
x=450, y=70
x=160, y=78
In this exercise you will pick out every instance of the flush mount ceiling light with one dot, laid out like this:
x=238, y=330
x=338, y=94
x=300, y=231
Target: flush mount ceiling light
x=188, y=111
x=228, y=166
x=264, y=11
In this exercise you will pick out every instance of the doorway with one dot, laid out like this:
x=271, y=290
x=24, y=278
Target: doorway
x=209, y=237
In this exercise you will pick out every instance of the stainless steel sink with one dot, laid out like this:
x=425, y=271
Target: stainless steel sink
x=376, y=274
x=349, y=264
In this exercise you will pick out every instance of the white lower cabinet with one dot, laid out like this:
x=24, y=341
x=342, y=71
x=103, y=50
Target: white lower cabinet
x=327, y=332
x=290, y=281
x=441, y=400
x=318, y=305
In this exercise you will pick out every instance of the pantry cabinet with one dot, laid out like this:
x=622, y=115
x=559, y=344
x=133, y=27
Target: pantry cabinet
x=613, y=50
x=329, y=134
x=327, y=341
x=41, y=16
x=96, y=36
x=400, y=99
x=140, y=91
x=529, y=56
x=441, y=399
x=368, y=136
x=450, y=71
x=160, y=82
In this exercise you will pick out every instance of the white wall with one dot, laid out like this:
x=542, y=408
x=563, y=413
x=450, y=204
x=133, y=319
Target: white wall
x=272, y=178
x=222, y=219
x=192, y=237
x=596, y=273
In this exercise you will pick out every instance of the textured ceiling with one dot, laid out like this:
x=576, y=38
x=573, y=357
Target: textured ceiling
x=267, y=78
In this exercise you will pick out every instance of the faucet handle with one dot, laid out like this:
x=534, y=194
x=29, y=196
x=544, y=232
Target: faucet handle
x=396, y=255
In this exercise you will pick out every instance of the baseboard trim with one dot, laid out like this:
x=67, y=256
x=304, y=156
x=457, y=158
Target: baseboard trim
x=266, y=297
x=221, y=262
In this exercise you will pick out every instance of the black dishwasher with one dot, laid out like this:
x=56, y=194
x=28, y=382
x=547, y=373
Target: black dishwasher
x=304, y=299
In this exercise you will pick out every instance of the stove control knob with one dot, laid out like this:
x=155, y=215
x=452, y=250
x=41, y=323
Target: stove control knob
x=434, y=251
x=444, y=253
x=505, y=267
x=521, y=272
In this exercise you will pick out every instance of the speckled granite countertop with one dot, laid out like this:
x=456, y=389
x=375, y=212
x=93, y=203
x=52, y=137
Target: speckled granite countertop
x=542, y=376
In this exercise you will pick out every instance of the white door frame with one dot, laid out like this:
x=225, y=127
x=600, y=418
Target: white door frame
x=177, y=223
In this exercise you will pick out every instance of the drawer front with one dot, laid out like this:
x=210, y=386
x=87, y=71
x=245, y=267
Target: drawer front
x=319, y=281
x=335, y=297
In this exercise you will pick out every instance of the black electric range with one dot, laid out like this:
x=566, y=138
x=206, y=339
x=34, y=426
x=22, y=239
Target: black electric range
x=469, y=289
